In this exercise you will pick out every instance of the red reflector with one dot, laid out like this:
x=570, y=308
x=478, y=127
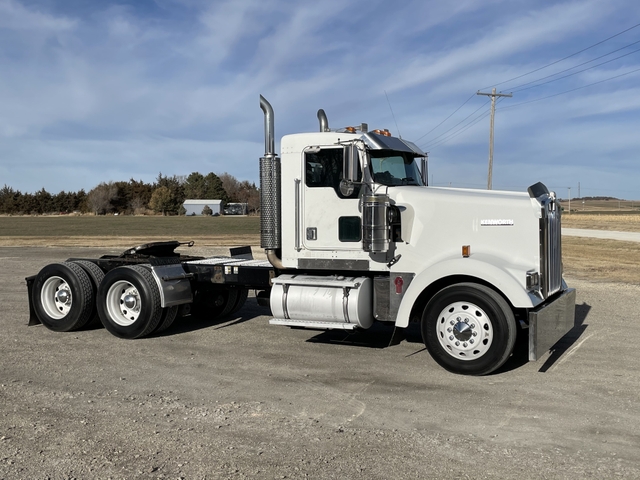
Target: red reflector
x=399, y=282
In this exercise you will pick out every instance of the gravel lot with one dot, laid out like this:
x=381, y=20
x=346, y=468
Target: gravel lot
x=242, y=399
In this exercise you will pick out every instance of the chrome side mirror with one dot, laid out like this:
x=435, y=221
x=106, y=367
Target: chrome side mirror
x=350, y=163
x=424, y=171
x=349, y=170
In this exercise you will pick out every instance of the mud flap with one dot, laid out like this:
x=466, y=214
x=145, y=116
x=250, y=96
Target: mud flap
x=33, y=318
x=550, y=322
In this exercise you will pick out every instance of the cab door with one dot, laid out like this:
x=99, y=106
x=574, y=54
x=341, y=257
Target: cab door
x=331, y=218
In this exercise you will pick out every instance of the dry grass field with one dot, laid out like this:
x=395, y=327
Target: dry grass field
x=602, y=206
x=591, y=221
x=601, y=260
x=116, y=231
x=593, y=259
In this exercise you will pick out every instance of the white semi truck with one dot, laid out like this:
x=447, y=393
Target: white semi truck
x=353, y=235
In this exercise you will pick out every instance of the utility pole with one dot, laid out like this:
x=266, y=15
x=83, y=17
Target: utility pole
x=493, y=96
x=569, y=199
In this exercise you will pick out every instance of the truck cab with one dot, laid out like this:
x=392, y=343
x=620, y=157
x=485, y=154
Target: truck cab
x=359, y=224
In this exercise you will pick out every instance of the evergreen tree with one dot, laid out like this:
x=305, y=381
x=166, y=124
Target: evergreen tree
x=162, y=200
x=209, y=187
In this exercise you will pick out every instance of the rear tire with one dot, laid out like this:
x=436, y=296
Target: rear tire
x=243, y=293
x=96, y=275
x=129, y=302
x=214, y=302
x=469, y=329
x=168, y=316
x=63, y=297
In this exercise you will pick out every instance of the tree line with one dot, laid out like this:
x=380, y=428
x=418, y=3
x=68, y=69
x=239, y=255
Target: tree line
x=135, y=197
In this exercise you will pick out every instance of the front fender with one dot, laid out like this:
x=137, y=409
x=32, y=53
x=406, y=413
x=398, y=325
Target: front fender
x=492, y=270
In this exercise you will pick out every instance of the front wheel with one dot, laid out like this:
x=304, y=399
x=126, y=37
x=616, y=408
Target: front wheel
x=469, y=329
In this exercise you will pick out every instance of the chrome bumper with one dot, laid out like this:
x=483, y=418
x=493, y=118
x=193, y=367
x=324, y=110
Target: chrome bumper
x=550, y=322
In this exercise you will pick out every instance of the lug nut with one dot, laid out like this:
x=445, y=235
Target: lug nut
x=449, y=329
x=475, y=334
x=452, y=322
x=465, y=344
x=457, y=344
x=471, y=341
x=451, y=337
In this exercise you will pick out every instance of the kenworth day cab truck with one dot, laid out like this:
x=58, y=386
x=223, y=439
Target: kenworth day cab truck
x=353, y=235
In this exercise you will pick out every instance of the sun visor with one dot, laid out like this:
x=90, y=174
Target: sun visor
x=380, y=142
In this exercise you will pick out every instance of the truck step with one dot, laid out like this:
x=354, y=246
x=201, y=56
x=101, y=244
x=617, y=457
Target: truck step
x=311, y=324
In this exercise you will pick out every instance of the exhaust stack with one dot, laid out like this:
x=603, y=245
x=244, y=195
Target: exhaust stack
x=324, y=123
x=270, y=206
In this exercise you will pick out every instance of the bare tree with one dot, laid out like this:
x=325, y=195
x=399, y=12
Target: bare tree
x=137, y=205
x=99, y=199
x=231, y=186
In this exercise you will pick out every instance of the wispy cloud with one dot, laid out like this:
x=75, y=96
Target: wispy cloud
x=108, y=91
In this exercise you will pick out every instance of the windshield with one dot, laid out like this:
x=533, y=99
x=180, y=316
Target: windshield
x=394, y=168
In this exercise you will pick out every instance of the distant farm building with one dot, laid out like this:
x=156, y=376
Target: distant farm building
x=195, y=207
x=236, y=208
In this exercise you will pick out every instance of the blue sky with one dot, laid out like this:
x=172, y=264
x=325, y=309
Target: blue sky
x=93, y=91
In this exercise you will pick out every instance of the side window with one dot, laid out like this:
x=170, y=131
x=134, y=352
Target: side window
x=324, y=169
x=349, y=229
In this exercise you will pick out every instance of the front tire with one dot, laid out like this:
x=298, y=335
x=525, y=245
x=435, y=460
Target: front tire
x=63, y=297
x=469, y=329
x=129, y=302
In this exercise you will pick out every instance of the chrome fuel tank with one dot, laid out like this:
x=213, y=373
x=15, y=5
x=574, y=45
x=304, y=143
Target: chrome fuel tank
x=308, y=300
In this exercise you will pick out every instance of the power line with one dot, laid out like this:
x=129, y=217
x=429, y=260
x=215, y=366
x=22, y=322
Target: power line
x=475, y=121
x=434, y=142
x=575, y=73
x=461, y=121
x=393, y=114
x=462, y=130
x=465, y=102
x=572, y=90
x=518, y=88
x=565, y=58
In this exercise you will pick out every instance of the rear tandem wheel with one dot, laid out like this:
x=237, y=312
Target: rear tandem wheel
x=129, y=302
x=63, y=297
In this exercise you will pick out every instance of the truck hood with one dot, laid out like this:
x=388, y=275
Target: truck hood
x=440, y=221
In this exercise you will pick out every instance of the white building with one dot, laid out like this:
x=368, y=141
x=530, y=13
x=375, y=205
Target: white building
x=195, y=207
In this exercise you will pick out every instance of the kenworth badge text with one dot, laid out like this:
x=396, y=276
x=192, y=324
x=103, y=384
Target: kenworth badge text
x=353, y=235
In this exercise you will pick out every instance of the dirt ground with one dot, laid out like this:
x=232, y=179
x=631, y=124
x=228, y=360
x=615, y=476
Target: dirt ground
x=242, y=399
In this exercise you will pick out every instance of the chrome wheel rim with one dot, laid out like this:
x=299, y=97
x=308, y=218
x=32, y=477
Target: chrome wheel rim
x=464, y=331
x=56, y=297
x=123, y=303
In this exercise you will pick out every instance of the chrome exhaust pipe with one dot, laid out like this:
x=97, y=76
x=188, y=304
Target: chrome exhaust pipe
x=270, y=196
x=269, y=135
x=324, y=123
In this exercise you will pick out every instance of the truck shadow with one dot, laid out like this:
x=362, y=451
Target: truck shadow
x=380, y=335
x=191, y=323
x=520, y=356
